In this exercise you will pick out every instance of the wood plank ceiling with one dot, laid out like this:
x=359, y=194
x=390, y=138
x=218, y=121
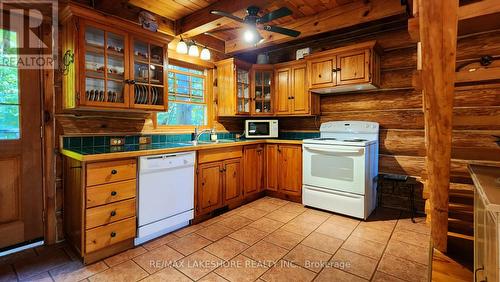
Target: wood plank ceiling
x=172, y=9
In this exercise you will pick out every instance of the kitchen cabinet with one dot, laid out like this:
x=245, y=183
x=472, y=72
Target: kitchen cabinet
x=350, y=68
x=209, y=192
x=292, y=94
x=284, y=168
x=233, y=87
x=262, y=92
x=100, y=206
x=110, y=63
x=253, y=173
x=220, y=179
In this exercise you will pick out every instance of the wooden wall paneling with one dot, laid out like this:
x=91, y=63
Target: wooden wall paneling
x=438, y=33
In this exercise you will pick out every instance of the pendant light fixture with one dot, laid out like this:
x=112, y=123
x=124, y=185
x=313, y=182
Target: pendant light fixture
x=205, y=54
x=182, y=47
x=193, y=50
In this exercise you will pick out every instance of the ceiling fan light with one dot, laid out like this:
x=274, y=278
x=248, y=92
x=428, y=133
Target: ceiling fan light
x=205, y=54
x=251, y=35
x=193, y=51
x=181, y=47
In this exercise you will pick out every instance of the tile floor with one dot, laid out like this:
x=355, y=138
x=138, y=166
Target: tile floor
x=266, y=240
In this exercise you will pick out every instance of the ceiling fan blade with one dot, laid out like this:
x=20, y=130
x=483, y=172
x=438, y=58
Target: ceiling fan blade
x=225, y=29
x=227, y=15
x=282, y=30
x=276, y=14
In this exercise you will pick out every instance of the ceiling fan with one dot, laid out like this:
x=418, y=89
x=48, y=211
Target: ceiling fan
x=253, y=22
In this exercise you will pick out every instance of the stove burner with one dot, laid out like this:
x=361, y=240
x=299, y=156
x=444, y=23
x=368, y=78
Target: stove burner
x=355, y=140
x=325, y=139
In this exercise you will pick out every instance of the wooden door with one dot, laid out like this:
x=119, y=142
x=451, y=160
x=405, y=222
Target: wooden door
x=300, y=92
x=322, y=72
x=21, y=195
x=353, y=67
x=243, y=101
x=209, y=194
x=271, y=166
x=282, y=80
x=232, y=180
x=253, y=164
x=290, y=169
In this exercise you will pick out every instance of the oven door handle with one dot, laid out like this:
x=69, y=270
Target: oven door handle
x=335, y=151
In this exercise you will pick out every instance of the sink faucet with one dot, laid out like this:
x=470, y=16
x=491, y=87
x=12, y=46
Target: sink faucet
x=197, y=134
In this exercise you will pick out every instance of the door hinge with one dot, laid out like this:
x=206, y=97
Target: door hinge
x=78, y=96
x=197, y=170
x=41, y=131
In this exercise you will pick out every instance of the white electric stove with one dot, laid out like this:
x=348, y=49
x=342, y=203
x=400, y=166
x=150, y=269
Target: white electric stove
x=340, y=168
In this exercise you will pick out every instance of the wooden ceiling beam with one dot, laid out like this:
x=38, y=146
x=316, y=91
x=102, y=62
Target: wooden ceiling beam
x=478, y=9
x=347, y=15
x=202, y=21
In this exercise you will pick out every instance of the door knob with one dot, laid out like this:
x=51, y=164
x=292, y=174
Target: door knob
x=113, y=193
x=113, y=213
x=113, y=234
x=114, y=171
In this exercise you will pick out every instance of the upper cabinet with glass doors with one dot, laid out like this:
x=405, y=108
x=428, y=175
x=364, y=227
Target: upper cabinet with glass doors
x=262, y=90
x=108, y=64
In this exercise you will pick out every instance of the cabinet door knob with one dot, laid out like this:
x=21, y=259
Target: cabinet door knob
x=114, y=171
x=113, y=193
x=113, y=234
x=113, y=213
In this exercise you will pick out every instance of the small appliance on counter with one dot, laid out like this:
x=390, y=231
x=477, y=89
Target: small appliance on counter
x=260, y=128
x=340, y=168
x=166, y=194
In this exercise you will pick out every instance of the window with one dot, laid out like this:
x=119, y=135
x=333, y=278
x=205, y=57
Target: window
x=187, y=100
x=9, y=88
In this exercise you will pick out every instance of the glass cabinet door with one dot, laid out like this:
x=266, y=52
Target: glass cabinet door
x=148, y=80
x=262, y=92
x=105, y=61
x=243, y=91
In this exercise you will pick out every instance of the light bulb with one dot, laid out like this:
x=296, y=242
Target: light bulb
x=193, y=51
x=205, y=54
x=250, y=35
x=182, y=47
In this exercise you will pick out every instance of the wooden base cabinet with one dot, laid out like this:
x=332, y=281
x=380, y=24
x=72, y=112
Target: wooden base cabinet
x=284, y=169
x=219, y=179
x=253, y=164
x=100, y=207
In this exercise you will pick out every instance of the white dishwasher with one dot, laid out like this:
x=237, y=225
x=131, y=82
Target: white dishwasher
x=166, y=194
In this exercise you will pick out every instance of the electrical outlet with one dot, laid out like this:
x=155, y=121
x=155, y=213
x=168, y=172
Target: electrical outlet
x=144, y=140
x=116, y=141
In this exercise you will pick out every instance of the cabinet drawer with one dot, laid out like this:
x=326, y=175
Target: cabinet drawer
x=214, y=155
x=110, y=193
x=101, y=237
x=107, y=172
x=109, y=213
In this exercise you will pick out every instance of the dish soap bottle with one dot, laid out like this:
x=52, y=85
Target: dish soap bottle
x=213, y=135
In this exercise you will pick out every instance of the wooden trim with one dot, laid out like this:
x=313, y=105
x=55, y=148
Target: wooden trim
x=48, y=145
x=477, y=9
x=438, y=32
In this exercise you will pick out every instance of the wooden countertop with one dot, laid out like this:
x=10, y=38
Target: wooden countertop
x=487, y=182
x=131, y=154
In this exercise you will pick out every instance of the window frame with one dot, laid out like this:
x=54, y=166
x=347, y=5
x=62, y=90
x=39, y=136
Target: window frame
x=207, y=97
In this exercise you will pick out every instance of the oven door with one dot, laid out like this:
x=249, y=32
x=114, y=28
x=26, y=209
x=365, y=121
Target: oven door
x=340, y=168
x=258, y=129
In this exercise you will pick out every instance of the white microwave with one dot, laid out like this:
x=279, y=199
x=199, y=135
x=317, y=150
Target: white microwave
x=259, y=128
